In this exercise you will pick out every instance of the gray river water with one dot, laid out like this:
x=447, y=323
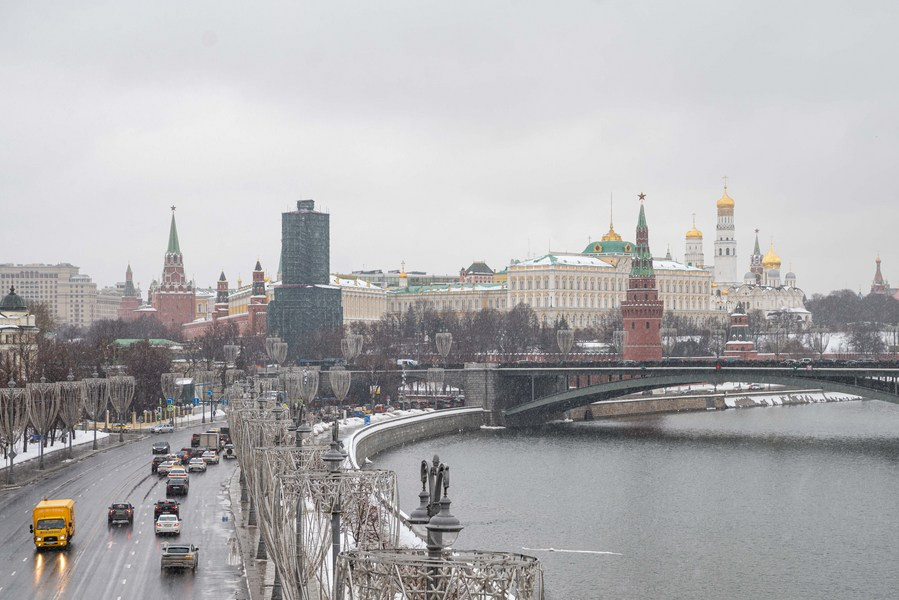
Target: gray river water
x=782, y=502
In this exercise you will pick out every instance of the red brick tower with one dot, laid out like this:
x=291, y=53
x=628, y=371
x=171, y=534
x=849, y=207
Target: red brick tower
x=642, y=311
x=175, y=298
x=130, y=300
x=740, y=344
x=221, y=297
x=258, y=301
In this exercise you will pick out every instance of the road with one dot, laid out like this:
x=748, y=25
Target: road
x=122, y=561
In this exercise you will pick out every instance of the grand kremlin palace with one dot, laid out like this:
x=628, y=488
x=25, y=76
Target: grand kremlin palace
x=582, y=288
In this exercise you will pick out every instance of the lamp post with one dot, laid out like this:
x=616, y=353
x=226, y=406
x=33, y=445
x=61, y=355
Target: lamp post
x=71, y=404
x=43, y=408
x=13, y=419
x=333, y=457
x=434, y=513
x=565, y=339
x=121, y=393
x=95, y=394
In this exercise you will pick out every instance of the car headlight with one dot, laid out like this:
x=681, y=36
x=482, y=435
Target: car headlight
x=37, y=539
x=62, y=537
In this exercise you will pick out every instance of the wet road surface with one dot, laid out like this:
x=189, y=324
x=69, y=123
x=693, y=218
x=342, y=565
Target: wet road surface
x=121, y=561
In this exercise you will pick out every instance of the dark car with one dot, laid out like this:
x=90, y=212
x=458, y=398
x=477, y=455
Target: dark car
x=121, y=512
x=154, y=464
x=195, y=440
x=176, y=488
x=166, y=507
x=161, y=448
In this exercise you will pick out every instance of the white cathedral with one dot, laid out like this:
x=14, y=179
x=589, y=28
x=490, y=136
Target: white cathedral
x=761, y=287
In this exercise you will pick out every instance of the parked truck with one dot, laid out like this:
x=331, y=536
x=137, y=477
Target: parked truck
x=53, y=523
x=210, y=440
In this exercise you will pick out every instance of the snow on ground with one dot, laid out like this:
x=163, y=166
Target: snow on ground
x=738, y=401
x=81, y=437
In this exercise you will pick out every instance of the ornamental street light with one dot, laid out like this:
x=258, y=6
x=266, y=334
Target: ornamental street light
x=351, y=346
x=121, y=393
x=13, y=419
x=333, y=458
x=96, y=398
x=565, y=339
x=43, y=408
x=71, y=405
x=433, y=512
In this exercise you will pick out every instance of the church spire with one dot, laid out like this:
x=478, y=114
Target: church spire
x=757, y=250
x=174, y=247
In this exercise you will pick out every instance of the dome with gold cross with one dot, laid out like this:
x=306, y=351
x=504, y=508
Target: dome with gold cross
x=771, y=260
x=694, y=234
x=725, y=201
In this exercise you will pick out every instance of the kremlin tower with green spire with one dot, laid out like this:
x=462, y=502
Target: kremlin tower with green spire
x=174, y=298
x=642, y=311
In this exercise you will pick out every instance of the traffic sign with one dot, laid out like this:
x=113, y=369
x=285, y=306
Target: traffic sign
x=366, y=420
x=209, y=392
x=169, y=401
x=196, y=401
x=171, y=408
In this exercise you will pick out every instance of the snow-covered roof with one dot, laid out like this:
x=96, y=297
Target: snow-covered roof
x=581, y=260
x=672, y=265
x=352, y=282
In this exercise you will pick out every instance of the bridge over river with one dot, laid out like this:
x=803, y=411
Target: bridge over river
x=523, y=395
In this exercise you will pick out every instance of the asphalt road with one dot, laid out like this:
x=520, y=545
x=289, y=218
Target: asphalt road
x=121, y=562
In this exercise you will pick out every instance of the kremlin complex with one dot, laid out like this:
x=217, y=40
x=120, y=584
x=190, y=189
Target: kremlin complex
x=583, y=288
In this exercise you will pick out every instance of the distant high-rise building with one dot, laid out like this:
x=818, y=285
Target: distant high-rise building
x=305, y=302
x=642, y=311
x=173, y=298
x=70, y=296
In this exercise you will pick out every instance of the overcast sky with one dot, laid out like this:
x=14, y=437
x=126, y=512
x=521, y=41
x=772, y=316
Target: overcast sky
x=444, y=132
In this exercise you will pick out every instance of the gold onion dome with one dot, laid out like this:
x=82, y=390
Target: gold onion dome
x=725, y=201
x=611, y=236
x=771, y=259
x=694, y=234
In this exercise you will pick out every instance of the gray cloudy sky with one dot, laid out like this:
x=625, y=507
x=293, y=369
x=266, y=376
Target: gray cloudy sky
x=442, y=132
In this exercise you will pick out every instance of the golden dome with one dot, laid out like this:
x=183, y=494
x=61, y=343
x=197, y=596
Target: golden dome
x=612, y=236
x=725, y=201
x=694, y=234
x=771, y=260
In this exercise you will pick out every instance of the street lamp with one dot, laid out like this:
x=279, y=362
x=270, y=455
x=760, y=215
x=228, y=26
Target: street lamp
x=333, y=457
x=433, y=512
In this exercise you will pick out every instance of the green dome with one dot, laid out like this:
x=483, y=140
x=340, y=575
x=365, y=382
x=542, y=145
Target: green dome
x=610, y=247
x=12, y=301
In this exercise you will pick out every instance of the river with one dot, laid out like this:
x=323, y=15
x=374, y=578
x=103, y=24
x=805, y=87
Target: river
x=783, y=502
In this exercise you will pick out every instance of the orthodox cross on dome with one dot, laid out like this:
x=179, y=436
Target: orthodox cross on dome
x=694, y=220
x=725, y=182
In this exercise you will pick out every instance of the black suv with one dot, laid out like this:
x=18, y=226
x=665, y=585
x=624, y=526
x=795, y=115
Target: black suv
x=121, y=512
x=154, y=465
x=161, y=448
x=166, y=507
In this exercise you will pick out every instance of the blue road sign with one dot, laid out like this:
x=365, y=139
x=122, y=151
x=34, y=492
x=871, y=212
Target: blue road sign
x=196, y=400
x=366, y=420
x=169, y=401
x=208, y=392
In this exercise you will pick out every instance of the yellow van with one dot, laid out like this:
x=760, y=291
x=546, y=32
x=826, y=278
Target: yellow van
x=53, y=523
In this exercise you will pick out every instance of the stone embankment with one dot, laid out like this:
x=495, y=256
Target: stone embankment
x=366, y=443
x=648, y=405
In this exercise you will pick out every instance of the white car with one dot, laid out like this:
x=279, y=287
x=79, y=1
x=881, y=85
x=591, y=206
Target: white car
x=162, y=428
x=168, y=525
x=211, y=456
x=196, y=464
x=166, y=466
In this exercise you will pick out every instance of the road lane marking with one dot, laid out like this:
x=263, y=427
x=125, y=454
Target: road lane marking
x=123, y=581
x=13, y=573
x=128, y=566
x=24, y=559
